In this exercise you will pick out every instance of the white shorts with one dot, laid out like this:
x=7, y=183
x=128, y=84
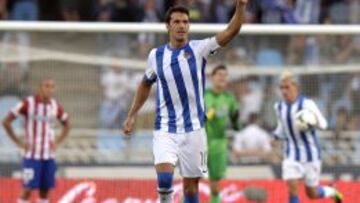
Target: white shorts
x=187, y=150
x=308, y=171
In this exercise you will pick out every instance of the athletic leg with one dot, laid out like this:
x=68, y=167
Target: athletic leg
x=165, y=173
x=191, y=190
x=193, y=163
x=44, y=196
x=293, y=194
x=165, y=153
x=313, y=190
x=215, y=191
x=25, y=195
x=217, y=163
x=30, y=177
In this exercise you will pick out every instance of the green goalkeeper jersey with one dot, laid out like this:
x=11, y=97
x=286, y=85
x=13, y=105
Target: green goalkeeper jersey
x=221, y=111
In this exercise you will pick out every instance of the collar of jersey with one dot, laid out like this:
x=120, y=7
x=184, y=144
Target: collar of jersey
x=298, y=98
x=39, y=100
x=177, y=49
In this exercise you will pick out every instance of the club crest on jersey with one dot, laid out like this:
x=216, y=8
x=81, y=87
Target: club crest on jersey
x=187, y=55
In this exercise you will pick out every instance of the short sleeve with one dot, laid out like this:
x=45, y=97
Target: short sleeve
x=310, y=105
x=208, y=46
x=20, y=109
x=150, y=75
x=61, y=115
x=279, y=130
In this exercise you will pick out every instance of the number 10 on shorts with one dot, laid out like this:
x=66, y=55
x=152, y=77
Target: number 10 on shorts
x=28, y=175
x=203, y=156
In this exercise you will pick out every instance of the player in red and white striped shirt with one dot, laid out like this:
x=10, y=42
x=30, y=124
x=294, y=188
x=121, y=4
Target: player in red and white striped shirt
x=40, y=112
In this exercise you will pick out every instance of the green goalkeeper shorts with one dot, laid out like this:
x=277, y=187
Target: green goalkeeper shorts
x=217, y=159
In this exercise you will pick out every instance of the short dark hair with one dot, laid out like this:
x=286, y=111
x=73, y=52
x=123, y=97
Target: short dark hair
x=174, y=9
x=218, y=68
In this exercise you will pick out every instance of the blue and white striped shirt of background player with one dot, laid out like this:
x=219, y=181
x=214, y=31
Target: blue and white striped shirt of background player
x=180, y=78
x=299, y=146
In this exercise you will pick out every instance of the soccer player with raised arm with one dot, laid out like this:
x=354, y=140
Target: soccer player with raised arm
x=40, y=113
x=302, y=156
x=222, y=110
x=178, y=69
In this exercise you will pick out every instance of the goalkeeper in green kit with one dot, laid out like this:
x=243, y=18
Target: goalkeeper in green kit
x=222, y=111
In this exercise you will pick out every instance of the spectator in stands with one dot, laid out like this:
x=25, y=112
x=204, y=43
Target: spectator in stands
x=251, y=98
x=70, y=10
x=339, y=7
x=270, y=98
x=168, y=4
x=151, y=11
x=271, y=11
x=349, y=49
x=307, y=11
x=252, y=144
x=341, y=122
x=104, y=10
x=355, y=98
x=3, y=10
x=127, y=11
x=118, y=11
x=220, y=11
x=147, y=40
x=354, y=11
x=238, y=56
x=15, y=74
x=296, y=49
x=197, y=11
x=115, y=83
x=24, y=10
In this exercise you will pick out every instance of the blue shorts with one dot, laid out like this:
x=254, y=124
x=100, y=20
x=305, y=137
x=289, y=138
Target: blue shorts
x=38, y=174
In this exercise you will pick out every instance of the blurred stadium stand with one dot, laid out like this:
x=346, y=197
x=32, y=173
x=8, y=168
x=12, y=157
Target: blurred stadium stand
x=328, y=67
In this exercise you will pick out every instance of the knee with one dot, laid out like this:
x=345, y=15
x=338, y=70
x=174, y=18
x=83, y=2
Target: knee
x=293, y=193
x=293, y=190
x=312, y=194
x=165, y=180
x=191, y=187
x=214, y=188
x=25, y=194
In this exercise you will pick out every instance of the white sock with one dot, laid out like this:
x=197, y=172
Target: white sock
x=329, y=191
x=165, y=195
x=22, y=201
x=43, y=201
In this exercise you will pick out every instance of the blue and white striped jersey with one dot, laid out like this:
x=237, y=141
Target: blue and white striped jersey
x=180, y=78
x=299, y=146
